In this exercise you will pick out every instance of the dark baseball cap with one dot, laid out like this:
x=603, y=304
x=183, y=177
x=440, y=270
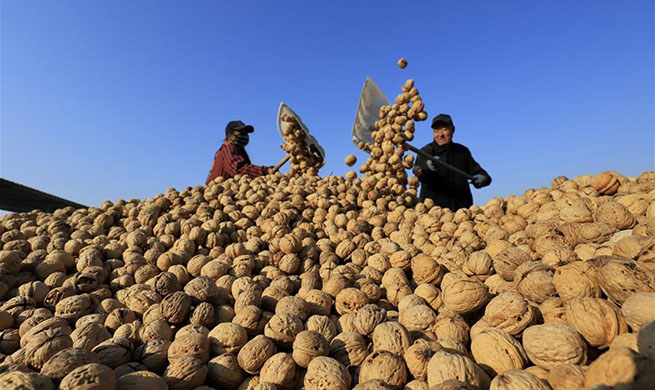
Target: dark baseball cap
x=237, y=125
x=443, y=119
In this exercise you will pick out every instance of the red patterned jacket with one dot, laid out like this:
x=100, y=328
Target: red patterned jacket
x=231, y=160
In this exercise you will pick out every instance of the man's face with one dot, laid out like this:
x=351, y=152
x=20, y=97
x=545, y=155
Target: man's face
x=442, y=135
x=235, y=134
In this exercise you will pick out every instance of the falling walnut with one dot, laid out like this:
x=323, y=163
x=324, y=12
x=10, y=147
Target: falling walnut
x=350, y=160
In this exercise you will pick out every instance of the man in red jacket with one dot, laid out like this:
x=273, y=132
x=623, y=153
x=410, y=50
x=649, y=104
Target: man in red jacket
x=231, y=159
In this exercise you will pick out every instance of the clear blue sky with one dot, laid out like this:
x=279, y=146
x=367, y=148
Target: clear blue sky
x=123, y=99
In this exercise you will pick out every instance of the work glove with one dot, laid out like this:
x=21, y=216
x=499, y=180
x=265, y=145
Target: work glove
x=480, y=180
x=431, y=165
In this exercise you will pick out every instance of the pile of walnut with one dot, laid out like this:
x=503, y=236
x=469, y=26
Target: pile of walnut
x=280, y=283
x=385, y=168
x=302, y=161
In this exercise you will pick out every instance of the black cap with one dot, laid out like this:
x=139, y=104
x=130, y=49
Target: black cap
x=237, y=125
x=443, y=119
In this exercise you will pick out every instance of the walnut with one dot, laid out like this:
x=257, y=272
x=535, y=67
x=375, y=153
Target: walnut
x=185, y=373
x=551, y=344
x=559, y=256
x=445, y=365
x=627, y=340
x=465, y=296
x=368, y=317
x=553, y=310
x=638, y=309
x=566, y=376
x=92, y=376
x=409, y=301
x=391, y=336
x=452, y=327
x=114, y=352
x=201, y=289
x=38, y=316
x=615, y=214
x=141, y=380
x=175, y=307
x=417, y=317
x=203, y=314
x=430, y=294
x=478, y=263
x=293, y=305
x=254, y=353
x=452, y=384
x=426, y=270
x=620, y=278
x=596, y=319
x=11, y=260
x=322, y=325
x=89, y=335
x=271, y=295
x=290, y=244
x=189, y=344
x=511, y=312
x=617, y=367
x=349, y=348
x=307, y=346
x=350, y=300
x=576, y=279
x=319, y=302
x=377, y=384
x=44, y=345
x=158, y=329
x=224, y=372
x=74, y=307
x=193, y=329
x=65, y=361
x=280, y=370
x=25, y=380
x=36, y=290
x=283, y=328
x=385, y=366
x=418, y=355
x=497, y=351
x=153, y=355
x=605, y=183
x=53, y=323
x=335, y=284
x=517, y=380
x=249, y=318
x=507, y=260
x=118, y=317
x=324, y=373
x=141, y=301
x=227, y=338
x=129, y=368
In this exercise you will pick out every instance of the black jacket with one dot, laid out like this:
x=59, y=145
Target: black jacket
x=445, y=187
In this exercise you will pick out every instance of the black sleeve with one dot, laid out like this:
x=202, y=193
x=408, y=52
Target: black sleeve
x=421, y=162
x=429, y=175
x=473, y=167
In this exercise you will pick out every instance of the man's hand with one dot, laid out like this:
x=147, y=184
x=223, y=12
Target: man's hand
x=270, y=170
x=480, y=180
x=431, y=165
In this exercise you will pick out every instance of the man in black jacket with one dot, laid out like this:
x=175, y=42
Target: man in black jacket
x=445, y=187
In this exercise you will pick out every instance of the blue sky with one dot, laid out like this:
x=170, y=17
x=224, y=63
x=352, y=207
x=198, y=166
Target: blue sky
x=123, y=99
